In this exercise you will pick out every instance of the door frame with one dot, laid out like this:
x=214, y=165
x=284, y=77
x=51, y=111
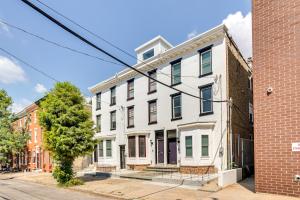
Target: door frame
x=159, y=135
x=174, y=138
x=122, y=165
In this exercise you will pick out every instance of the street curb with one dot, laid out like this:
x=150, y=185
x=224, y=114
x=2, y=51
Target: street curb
x=79, y=190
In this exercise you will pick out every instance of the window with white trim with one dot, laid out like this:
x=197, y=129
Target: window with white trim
x=188, y=146
x=204, y=145
x=108, y=148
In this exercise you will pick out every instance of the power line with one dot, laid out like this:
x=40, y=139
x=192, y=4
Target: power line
x=29, y=65
x=104, y=40
x=57, y=44
x=102, y=50
x=75, y=50
x=36, y=69
x=113, y=45
x=84, y=53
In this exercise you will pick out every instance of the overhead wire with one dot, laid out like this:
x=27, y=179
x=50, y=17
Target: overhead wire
x=83, y=39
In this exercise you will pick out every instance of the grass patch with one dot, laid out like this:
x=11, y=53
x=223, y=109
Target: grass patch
x=72, y=182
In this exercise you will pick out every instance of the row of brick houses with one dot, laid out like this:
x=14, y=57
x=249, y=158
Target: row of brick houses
x=34, y=157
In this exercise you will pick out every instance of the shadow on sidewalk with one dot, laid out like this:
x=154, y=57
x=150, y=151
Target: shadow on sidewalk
x=97, y=177
x=248, y=183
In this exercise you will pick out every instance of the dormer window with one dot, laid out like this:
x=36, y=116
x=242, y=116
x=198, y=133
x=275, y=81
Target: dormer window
x=148, y=54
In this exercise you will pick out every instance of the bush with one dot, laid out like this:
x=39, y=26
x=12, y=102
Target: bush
x=63, y=172
x=73, y=182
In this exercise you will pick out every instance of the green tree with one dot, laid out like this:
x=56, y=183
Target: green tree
x=68, y=131
x=12, y=141
x=5, y=127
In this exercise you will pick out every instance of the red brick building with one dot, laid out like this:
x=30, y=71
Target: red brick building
x=276, y=75
x=35, y=157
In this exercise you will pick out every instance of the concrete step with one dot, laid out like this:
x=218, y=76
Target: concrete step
x=162, y=169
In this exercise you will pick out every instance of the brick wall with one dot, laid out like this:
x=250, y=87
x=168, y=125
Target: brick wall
x=198, y=169
x=241, y=94
x=276, y=64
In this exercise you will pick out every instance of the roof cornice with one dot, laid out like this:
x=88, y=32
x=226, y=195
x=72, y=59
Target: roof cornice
x=208, y=36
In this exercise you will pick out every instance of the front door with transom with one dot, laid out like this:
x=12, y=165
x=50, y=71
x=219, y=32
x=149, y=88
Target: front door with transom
x=159, y=138
x=172, y=147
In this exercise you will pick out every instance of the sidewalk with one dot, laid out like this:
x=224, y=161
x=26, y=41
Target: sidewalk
x=137, y=189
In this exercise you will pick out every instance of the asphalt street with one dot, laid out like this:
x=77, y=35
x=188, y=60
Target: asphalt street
x=12, y=189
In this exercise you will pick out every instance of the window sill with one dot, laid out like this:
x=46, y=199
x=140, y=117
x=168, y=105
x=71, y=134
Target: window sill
x=151, y=92
x=128, y=99
x=113, y=129
x=112, y=104
x=207, y=113
x=178, y=118
x=152, y=123
x=132, y=126
x=203, y=75
x=175, y=84
x=205, y=157
x=98, y=109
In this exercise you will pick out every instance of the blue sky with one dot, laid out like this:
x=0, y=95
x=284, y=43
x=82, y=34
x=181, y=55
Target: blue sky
x=127, y=24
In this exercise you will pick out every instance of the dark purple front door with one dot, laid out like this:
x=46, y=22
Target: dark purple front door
x=160, y=151
x=172, y=151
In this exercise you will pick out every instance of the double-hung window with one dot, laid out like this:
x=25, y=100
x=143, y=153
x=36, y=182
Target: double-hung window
x=113, y=122
x=113, y=96
x=98, y=123
x=108, y=148
x=148, y=54
x=100, y=147
x=152, y=111
x=130, y=89
x=142, y=146
x=204, y=145
x=251, y=113
x=205, y=61
x=130, y=117
x=152, y=83
x=176, y=106
x=188, y=146
x=35, y=135
x=98, y=101
x=206, y=101
x=176, y=72
x=131, y=146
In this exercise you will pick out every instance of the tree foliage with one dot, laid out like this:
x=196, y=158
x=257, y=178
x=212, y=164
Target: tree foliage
x=68, y=131
x=12, y=141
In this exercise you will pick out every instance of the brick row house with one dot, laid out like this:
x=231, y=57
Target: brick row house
x=141, y=123
x=35, y=157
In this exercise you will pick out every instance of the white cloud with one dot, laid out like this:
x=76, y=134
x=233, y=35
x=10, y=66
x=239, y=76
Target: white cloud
x=4, y=27
x=192, y=34
x=20, y=105
x=40, y=88
x=88, y=100
x=10, y=72
x=240, y=28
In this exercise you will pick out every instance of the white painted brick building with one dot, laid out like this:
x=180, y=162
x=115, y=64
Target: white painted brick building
x=143, y=123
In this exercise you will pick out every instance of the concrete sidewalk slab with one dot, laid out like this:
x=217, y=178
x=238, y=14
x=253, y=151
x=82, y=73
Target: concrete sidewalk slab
x=121, y=188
